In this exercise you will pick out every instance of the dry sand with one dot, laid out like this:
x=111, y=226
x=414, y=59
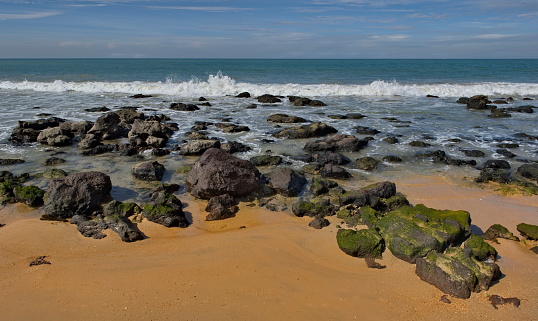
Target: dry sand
x=259, y=265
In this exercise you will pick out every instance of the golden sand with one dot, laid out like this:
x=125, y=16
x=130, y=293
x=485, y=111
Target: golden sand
x=260, y=265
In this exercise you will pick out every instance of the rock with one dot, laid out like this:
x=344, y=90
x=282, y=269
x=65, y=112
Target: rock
x=243, y=95
x=341, y=143
x=522, y=109
x=283, y=118
x=494, y=175
x=39, y=261
x=306, y=131
x=444, y=298
x=319, y=222
x=77, y=194
x=369, y=195
x=165, y=209
x=456, y=273
x=41, y=124
x=89, y=141
x=90, y=228
x=148, y=171
x=418, y=143
x=529, y=231
x=334, y=171
x=198, y=147
x=478, y=102
x=268, y=99
x=508, y=145
x=321, y=186
x=217, y=172
x=330, y=158
x=367, y=163
x=266, y=160
x=287, y=182
x=116, y=208
x=184, y=107
x=11, y=161
x=29, y=195
x=498, y=231
x=108, y=126
x=372, y=264
x=76, y=128
x=441, y=157
x=320, y=209
x=412, y=232
x=54, y=137
x=365, y=243
x=125, y=229
x=366, y=130
x=149, y=133
x=392, y=159
x=480, y=249
x=505, y=153
x=54, y=173
x=529, y=171
x=221, y=207
x=496, y=300
x=391, y=140
x=301, y=101
x=235, y=147
x=474, y=153
x=54, y=161
x=129, y=114
x=534, y=249
x=138, y=96
x=97, y=109
x=463, y=100
x=23, y=136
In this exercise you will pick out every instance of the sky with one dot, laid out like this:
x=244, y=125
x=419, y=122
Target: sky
x=269, y=29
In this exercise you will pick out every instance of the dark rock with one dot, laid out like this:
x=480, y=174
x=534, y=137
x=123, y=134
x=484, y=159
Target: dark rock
x=89, y=141
x=496, y=300
x=287, y=182
x=392, y=159
x=431, y=96
x=283, y=118
x=319, y=222
x=329, y=158
x=54, y=161
x=77, y=194
x=417, y=143
x=29, y=195
x=311, y=209
x=125, y=229
x=501, y=176
x=334, y=171
x=366, y=130
x=496, y=164
x=529, y=231
x=478, y=102
x=108, y=126
x=54, y=173
x=243, y=95
x=321, y=186
x=473, y=153
x=500, y=102
x=372, y=264
x=97, y=109
x=41, y=124
x=508, y=145
x=116, y=208
x=498, y=231
x=165, y=209
x=534, y=249
x=266, y=160
x=341, y=143
x=150, y=133
x=217, y=172
x=235, y=147
x=76, y=128
x=252, y=106
x=306, y=131
x=505, y=153
x=355, y=116
x=367, y=163
x=148, y=171
x=522, y=109
x=529, y=171
x=301, y=101
x=39, y=261
x=11, y=161
x=90, y=228
x=160, y=152
x=444, y=298
x=101, y=149
x=54, y=137
x=138, y=96
x=198, y=147
x=268, y=99
x=232, y=128
x=391, y=140
x=221, y=207
x=499, y=113
x=366, y=243
x=463, y=100
x=184, y=107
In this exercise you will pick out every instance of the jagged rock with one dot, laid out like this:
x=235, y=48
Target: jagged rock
x=341, y=143
x=321, y=186
x=108, y=126
x=199, y=147
x=456, y=272
x=283, y=118
x=287, y=182
x=366, y=243
x=125, y=229
x=334, y=171
x=217, y=172
x=266, y=160
x=148, y=171
x=319, y=222
x=498, y=231
x=89, y=141
x=479, y=102
x=77, y=194
x=54, y=137
x=529, y=231
x=150, y=133
x=235, y=147
x=165, y=209
x=362, y=130
x=221, y=207
x=306, y=131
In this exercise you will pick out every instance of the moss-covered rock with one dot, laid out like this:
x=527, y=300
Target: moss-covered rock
x=480, y=248
x=321, y=186
x=166, y=209
x=498, y=231
x=394, y=202
x=456, y=272
x=363, y=243
x=54, y=173
x=369, y=216
x=321, y=208
x=528, y=230
x=29, y=195
x=412, y=232
x=116, y=208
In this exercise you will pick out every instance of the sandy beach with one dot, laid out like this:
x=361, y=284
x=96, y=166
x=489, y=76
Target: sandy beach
x=259, y=265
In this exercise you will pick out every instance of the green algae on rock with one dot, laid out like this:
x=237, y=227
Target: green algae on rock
x=480, y=248
x=528, y=230
x=365, y=243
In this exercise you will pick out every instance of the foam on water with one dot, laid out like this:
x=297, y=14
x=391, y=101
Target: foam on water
x=221, y=85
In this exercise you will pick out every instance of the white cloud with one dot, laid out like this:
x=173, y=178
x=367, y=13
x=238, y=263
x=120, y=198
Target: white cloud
x=492, y=36
x=389, y=37
x=32, y=15
x=208, y=9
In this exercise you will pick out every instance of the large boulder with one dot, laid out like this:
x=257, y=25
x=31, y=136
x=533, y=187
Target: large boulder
x=456, y=272
x=306, y=131
x=218, y=172
x=108, y=126
x=77, y=194
x=366, y=243
x=148, y=133
x=55, y=136
x=287, y=182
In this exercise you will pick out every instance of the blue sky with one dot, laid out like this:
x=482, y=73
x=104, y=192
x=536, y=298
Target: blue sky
x=269, y=29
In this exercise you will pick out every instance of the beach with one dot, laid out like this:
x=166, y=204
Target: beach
x=258, y=265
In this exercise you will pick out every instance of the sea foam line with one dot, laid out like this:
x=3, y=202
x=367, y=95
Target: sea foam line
x=220, y=85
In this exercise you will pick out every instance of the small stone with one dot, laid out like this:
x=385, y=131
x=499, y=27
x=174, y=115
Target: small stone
x=445, y=299
x=39, y=261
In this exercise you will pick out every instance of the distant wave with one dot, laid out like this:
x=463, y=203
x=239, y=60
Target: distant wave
x=220, y=85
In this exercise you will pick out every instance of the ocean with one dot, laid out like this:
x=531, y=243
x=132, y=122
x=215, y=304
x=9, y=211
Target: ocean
x=378, y=89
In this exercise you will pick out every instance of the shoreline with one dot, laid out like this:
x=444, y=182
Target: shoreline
x=276, y=267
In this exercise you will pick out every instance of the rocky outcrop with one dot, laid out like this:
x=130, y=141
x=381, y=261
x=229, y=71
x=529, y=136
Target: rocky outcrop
x=28, y=131
x=29, y=195
x=217, y=172
x=77, y=194
x=306, y=131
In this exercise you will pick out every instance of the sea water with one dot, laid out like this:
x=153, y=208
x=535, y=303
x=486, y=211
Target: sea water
x=377, y=89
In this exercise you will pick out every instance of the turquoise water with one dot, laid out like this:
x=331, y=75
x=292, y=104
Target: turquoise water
x=375, y=88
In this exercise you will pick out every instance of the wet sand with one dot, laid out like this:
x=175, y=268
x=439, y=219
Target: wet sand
x=259, y=265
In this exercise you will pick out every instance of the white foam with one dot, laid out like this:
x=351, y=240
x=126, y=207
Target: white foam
x=220, y=85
